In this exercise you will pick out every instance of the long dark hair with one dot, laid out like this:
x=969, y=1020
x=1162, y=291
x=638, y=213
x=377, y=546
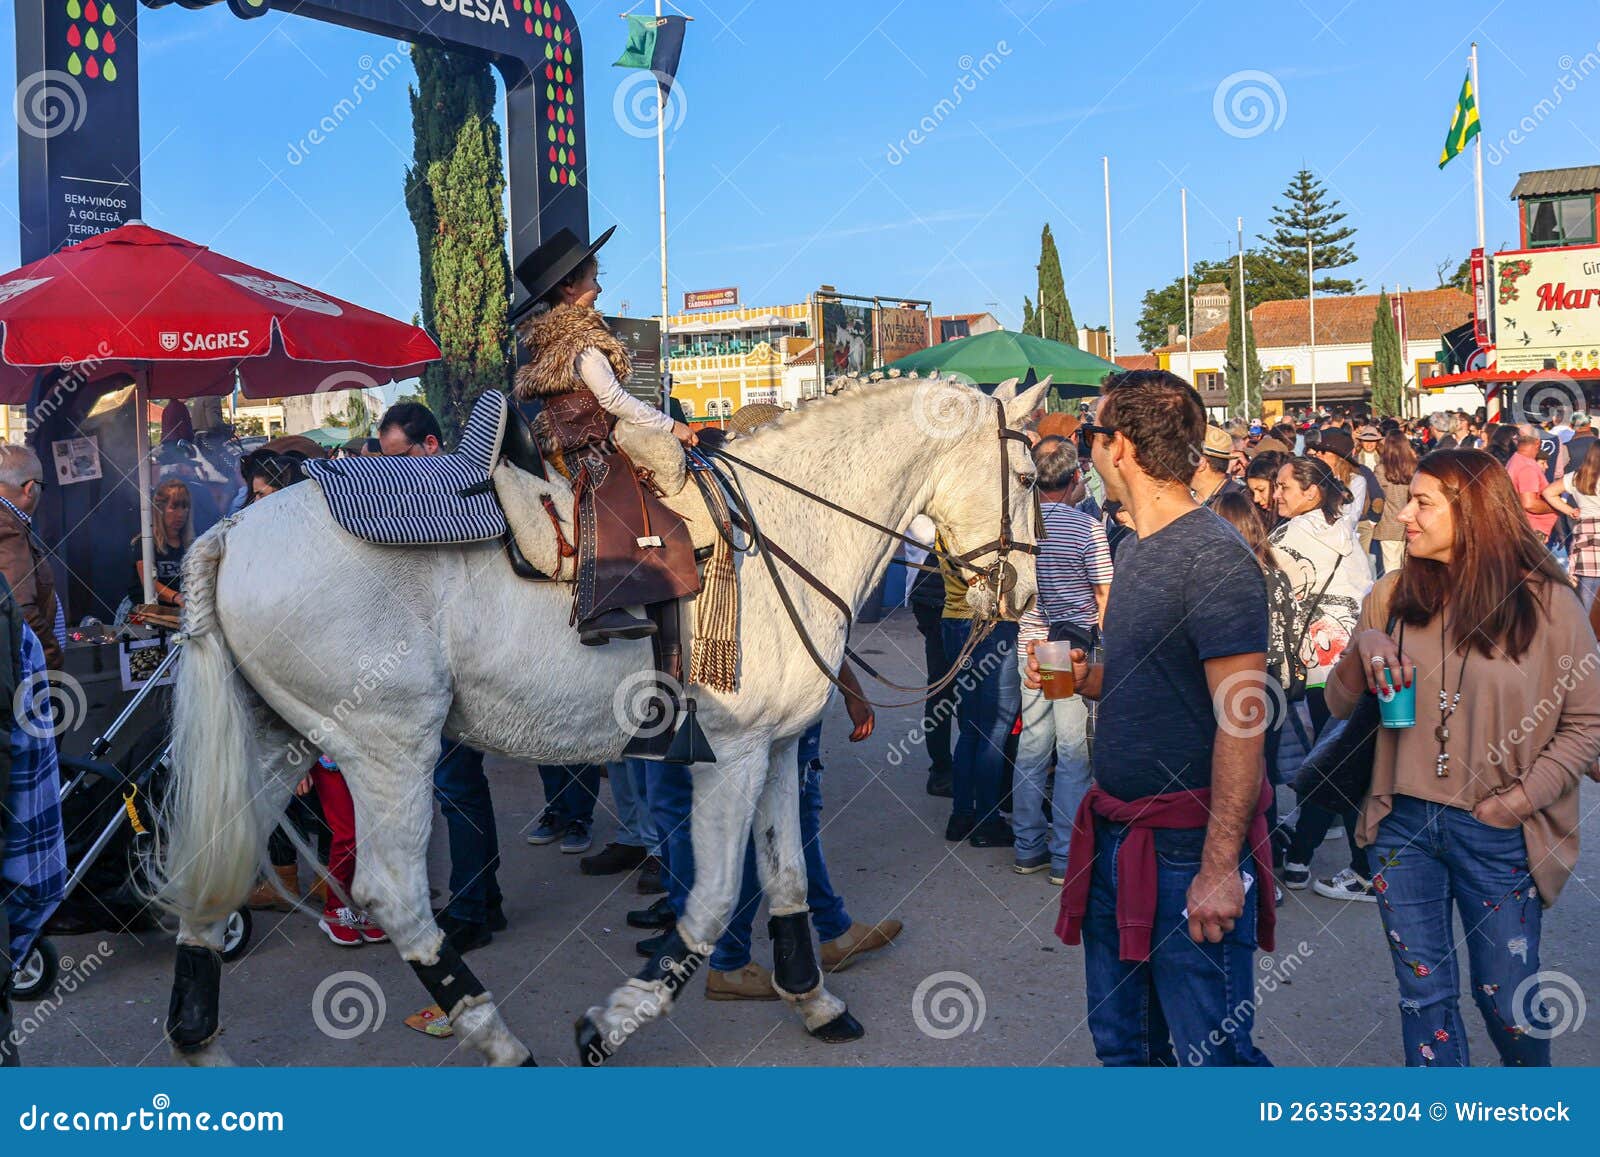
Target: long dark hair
x=1397, y=459
x=1497, y=567
x=1249, y=520
x=1588, y=471
x=1309, y=472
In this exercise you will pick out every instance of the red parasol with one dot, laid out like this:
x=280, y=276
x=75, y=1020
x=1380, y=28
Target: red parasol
x=180, y=319
x=138, y=300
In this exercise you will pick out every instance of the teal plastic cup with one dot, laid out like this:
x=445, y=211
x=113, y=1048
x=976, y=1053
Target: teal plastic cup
x=1397, y=706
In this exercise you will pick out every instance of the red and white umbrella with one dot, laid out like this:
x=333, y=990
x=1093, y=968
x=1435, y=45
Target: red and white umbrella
x=181, y=320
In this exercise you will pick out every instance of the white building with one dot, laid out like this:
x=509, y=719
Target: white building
x=1343, y=353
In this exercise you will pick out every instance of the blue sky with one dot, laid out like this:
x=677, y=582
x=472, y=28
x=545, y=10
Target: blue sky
x=791, y=165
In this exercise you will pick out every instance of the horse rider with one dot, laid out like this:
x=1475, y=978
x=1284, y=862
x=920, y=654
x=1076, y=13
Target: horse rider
x=631, y=550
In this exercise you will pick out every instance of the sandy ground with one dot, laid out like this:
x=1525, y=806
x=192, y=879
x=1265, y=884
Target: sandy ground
x=1020, y=1001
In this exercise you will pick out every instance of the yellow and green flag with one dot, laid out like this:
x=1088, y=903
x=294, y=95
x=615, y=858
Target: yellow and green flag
x=1463, y=125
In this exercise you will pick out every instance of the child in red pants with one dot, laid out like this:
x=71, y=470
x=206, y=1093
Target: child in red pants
x=343, y=925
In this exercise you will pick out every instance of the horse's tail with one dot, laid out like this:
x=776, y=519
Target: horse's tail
x=215, y=819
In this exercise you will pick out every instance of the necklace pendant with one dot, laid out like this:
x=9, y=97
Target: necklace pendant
x=1441, y=733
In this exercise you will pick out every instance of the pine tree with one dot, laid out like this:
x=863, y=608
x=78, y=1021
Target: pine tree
x=1241, y=353
x=454, y=189
x=1388, y=368
x=1311, y=213
x=1054, y=317
x=1030, y=320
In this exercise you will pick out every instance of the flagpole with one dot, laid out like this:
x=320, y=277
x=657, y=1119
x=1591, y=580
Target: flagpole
x=1244, y=331
x=1111, y=300
x=1477, y=140
x=661, y=182
x=1311, y=304
x=1188, y=337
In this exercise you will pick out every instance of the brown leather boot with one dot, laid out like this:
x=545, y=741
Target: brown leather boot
x=268, y=898
x=752, y=982
x=857, y=941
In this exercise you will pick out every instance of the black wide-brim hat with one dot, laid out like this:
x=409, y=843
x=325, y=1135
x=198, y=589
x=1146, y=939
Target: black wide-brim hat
x=557, y=255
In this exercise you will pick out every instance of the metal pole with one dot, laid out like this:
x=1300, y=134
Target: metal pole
x=141, y=442
x=1111, y=288
x=1311, y=304
x=661, y=181
x=1244, y=330
x=1477, y=152
x=1188, y=333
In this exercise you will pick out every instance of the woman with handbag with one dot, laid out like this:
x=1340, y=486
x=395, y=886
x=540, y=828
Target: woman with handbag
x=1331, y=574
x=1480, y=810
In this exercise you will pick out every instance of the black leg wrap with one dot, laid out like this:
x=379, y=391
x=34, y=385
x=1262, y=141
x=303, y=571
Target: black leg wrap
x=674, y=965
x=794, y=964
x=449, y=981
x=192, y=1020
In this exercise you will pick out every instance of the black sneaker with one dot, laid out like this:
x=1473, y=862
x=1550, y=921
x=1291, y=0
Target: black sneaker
x=612, y=859
x=992, y=834
x=649, y=881
x=495, y=920
x=939, y=784
x=463, y=935
x=960, y=827
x=1296, y=877
x=658, y=915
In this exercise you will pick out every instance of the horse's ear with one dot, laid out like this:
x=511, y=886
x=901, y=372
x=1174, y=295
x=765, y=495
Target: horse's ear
x=1025, y=403
x=1006, y=391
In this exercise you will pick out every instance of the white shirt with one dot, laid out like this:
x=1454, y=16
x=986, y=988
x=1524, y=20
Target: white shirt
x=597, y=374
x=1350, y=512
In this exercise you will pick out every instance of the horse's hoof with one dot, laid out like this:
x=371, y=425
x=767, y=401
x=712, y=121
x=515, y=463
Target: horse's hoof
x=839, y=1030
x=592, y=1051
x=530, y=1063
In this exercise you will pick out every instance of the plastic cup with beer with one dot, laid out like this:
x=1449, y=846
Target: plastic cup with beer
x=1055, y=669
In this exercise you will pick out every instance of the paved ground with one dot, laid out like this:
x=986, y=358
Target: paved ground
x=965, y=911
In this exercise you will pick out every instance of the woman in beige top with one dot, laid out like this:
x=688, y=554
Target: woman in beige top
x=1477, y=804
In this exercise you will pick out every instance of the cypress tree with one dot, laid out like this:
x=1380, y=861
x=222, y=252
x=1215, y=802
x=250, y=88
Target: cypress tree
x=1241, y=352
x=1388, y=368
x=454, y=189
x=1054, y=317
x=1311, y=213
x=1030, y=320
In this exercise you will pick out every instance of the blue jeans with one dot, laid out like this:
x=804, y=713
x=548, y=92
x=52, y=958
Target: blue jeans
x=988, y=697
x=671, y=792
x=1057, y=727
x=636, y=827
x=1190, y=1004
x=463, y=794
x=570, y=790
x=1587, y=587
x=1427, y=857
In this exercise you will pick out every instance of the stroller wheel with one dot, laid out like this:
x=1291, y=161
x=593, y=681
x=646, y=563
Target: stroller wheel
x=236, y=936
x=37, y=972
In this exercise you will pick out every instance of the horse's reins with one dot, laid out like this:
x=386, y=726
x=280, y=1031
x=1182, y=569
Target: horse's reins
x=732, y=511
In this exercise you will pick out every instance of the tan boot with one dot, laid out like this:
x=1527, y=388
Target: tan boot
x=857, y=941
x=267, y=897
x=752, y=982
x=319, y=891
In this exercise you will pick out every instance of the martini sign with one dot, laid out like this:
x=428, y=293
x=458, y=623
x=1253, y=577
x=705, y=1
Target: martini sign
x=84, y=69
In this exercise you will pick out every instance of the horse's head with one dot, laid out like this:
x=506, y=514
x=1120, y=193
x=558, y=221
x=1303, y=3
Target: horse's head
x=982, y=498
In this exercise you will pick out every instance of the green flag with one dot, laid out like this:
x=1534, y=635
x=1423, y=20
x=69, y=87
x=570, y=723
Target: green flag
x=1463, y=125
x=655, y=44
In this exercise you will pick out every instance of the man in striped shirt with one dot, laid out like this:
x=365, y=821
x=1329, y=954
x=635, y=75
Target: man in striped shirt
x=1074, y=577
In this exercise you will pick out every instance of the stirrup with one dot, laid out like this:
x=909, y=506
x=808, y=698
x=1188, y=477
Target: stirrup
x=682, y=743
x=600, y=629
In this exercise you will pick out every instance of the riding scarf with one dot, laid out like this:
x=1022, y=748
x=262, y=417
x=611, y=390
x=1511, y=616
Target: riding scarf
x=1136, y=864
x=554, y=339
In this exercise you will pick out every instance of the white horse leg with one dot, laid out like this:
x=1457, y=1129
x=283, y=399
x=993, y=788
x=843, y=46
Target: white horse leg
x=394, y=815
x=193, y=1020
x=781, y=864
x=720, y=818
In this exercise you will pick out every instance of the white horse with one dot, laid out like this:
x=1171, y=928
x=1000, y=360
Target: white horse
x=279, y=665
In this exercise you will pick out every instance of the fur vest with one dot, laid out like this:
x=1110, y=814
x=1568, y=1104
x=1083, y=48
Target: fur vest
x=554, y=339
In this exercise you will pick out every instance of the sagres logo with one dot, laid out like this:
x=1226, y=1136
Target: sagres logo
x=193, y=341
x=169, y=340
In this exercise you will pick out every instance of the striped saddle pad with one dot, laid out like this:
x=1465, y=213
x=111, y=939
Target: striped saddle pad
x=420, y=501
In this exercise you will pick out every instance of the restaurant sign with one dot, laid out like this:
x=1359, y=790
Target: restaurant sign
x=1547, y=309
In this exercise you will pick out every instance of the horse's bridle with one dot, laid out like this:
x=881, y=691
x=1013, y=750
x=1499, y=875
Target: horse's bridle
x=1000, y=576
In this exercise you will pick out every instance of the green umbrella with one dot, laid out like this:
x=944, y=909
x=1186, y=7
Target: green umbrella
x=990, y=358
x=331, y=437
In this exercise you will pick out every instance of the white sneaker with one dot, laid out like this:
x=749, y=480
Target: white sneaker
x=1347, y=885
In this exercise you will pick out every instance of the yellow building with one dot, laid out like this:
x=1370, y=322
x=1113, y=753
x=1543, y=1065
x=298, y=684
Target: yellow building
x=722, y=359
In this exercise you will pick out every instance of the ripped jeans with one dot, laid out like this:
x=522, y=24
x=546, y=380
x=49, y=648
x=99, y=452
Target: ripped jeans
x=1426, y=857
